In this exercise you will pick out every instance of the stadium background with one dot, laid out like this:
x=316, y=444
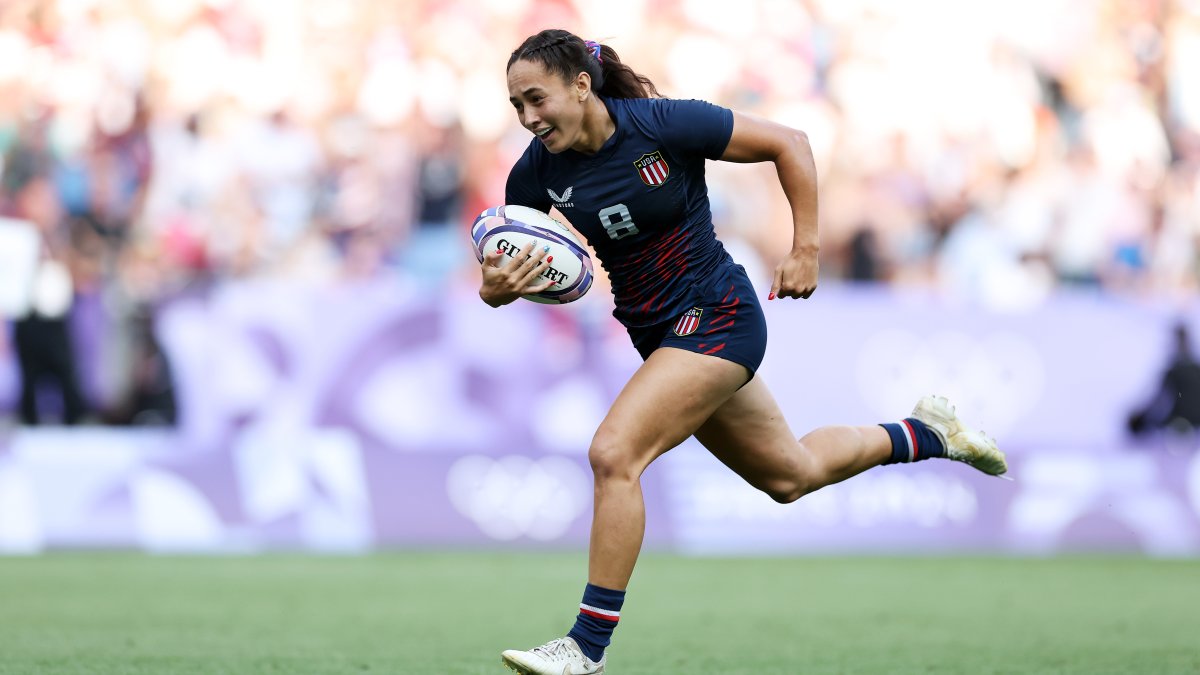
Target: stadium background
x=263, y=206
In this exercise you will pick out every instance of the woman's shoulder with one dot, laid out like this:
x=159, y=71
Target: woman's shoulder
x=649, y=115
x=660, y=102
x=677, y=121
x=663, y=109
x=642, y=106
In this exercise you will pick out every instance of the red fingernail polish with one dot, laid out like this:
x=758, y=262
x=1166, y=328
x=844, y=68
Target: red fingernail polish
x=499, y=251
x=771, y=296
x=549, y=258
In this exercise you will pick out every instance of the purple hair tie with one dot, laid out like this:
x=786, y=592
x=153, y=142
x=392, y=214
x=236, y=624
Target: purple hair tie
x=595, y=49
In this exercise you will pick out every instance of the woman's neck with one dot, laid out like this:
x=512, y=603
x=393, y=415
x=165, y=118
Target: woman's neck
x=598, y=127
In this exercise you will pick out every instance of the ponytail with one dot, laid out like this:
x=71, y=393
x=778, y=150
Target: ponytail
x=568, y=55
x=619, y=80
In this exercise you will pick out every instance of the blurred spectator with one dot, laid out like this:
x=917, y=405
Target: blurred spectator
x=864, y=263
x=146, y=396
x=1176, y=404
x=440, y=183
x=150, y=400
x=42, y=336
x=433, y=249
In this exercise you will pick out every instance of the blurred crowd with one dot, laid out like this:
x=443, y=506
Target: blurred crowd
x=994, y=150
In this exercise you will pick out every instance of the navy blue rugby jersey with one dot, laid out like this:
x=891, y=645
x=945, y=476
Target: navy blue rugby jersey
x=641, y=201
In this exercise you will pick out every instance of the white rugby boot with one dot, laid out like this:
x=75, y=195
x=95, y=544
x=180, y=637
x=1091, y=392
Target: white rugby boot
x=962, y=443
x=556, y=657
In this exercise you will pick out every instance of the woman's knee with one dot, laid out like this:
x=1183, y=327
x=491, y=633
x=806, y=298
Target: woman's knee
x=785, y=490
x=790, y=484
x=612, y=459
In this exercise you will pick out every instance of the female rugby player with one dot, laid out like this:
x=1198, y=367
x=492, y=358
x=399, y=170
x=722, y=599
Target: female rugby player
x=626, y=168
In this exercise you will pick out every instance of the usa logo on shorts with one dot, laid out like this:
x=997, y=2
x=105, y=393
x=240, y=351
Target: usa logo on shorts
x=689, y=322
x=652, y=168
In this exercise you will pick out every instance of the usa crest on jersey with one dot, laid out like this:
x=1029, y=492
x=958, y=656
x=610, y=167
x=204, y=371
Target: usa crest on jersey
x=688, y=323
x=652, y=168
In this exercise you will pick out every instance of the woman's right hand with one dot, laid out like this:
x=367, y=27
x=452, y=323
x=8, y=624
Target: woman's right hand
x=502, y=285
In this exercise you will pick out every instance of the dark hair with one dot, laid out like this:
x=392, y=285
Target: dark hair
x=567, y=54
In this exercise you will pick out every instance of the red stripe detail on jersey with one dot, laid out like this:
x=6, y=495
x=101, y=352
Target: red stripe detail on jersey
x=716, y=349
x=669, y=255
x=662, y=251
x=653, y=302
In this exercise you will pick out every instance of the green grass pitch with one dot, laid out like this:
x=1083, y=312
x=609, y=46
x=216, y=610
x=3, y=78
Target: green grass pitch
x=445, y=614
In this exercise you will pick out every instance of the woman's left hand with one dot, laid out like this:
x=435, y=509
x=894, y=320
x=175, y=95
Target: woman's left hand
x=796, y=276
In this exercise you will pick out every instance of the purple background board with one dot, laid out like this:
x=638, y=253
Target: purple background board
x=349, y=418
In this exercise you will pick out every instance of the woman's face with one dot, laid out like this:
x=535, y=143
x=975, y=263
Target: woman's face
x=546, y=105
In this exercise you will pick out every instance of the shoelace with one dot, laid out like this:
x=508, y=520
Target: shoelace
x=555, y=650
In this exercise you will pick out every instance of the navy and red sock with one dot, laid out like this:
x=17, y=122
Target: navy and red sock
x=913, y=441
x=599, y=613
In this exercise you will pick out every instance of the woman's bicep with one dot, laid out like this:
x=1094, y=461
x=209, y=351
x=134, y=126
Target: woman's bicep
x=756, y=139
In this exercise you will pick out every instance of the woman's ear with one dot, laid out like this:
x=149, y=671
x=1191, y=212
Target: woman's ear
x=583, y=86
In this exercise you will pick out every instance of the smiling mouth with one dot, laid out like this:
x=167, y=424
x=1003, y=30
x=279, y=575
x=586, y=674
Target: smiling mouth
x=543, y=132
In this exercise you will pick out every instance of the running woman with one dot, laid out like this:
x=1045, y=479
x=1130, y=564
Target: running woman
x=626, y=168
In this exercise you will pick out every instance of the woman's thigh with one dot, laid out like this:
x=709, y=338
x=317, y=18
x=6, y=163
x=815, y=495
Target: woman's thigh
x=750, y=435
x=665, y=401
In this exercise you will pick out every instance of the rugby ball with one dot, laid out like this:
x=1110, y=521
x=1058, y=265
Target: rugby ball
x=509, y=228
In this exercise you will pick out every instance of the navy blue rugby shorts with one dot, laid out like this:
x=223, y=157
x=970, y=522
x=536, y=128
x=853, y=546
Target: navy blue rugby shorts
x=727, y=321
